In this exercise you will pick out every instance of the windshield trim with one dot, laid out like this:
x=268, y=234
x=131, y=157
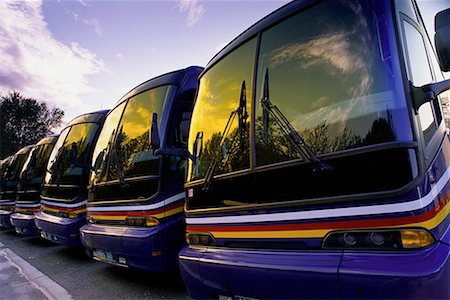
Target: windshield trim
x=130, y=179
x=73, y=200
x=343, y=153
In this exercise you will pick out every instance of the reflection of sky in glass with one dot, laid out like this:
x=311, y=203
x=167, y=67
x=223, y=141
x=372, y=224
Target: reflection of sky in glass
x=110, y=125
x=39, y=154
x=418, y=61
x=137, y=117
x=336, y=70
x=56, y=149
x=219, y=92
x=82, y=135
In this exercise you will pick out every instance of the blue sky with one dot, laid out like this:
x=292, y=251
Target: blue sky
x=84, y=55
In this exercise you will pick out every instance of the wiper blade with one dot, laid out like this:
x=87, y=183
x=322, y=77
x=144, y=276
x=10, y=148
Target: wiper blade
x=269, y=109
x=116, y=162
x=242, y=114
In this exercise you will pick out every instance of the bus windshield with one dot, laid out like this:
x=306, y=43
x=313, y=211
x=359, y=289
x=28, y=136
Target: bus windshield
x=33, y=168
x=16, y=166
x=69, y=155
x=331, y=72
x=123, y=148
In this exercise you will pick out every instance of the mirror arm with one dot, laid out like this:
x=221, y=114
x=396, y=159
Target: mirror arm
x=428, y=92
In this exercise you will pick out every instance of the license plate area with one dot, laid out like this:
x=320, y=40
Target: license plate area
x=109, y=257
x=47, y=236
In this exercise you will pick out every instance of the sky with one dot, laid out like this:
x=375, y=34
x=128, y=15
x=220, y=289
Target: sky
x=83, y=55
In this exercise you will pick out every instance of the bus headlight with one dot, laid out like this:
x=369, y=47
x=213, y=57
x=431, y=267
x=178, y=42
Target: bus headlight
x=200, y=238
x=142, y=221
x=384, y=239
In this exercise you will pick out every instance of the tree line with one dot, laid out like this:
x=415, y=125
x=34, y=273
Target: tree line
x=24, y=121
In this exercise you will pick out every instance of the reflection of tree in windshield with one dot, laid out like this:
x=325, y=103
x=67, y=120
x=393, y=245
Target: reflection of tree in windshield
x=280, y=148
x=135, y=157
x=232, y=156
x=68, y=165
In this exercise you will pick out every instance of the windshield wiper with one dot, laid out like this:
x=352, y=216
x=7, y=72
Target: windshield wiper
x=242, y=114
x=306, y=153
x=116, y=162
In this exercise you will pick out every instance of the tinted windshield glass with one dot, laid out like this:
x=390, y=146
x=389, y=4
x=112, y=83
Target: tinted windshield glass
x=104, y=141
x=124, y=147
x=33, y=168
x=69, y=155
x=220, y=123
x=329, y=74
x=16, y=166
x=335, y=79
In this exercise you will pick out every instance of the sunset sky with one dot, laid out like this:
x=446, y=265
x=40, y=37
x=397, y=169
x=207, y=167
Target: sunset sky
x=84, y=55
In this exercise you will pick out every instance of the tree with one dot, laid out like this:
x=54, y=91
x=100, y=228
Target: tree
x=24, y=121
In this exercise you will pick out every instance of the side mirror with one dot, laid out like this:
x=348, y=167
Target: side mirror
x=184, y=126
x=442, y=38
x=154, y=132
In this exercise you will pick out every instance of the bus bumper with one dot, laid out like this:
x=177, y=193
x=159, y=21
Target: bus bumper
x=59, y=230
x=151, y=249
x=24, y=224
x=211, y=273
x=4, y=219
x=419, y=274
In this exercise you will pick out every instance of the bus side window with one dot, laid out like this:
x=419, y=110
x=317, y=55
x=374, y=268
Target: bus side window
x=420, y=74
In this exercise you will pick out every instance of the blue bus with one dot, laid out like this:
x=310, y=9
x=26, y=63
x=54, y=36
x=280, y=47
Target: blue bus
x=320, y=160
x=136, y=197
x=8, y=186
x=29, y=188
x=64, y=190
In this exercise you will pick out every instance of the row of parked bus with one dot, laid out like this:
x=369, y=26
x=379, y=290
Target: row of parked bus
x=309, y=159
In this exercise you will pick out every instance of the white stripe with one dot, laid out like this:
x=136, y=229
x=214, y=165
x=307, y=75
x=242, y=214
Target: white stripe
x=27, y=205
x=139, y=207
x=334, y=212
x=7, y=203
x=59, y=204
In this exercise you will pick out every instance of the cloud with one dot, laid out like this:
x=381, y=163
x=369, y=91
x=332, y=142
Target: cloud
x=119, y=55
x=193, y=9
x=96, y=25
x=72, y=13
x=38, y=66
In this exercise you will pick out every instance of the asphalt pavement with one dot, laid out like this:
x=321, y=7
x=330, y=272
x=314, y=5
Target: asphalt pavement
x=31, y=268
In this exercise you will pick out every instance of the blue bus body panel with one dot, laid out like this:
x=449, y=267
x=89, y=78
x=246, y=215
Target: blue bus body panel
x=304, y=274
x=142, y=248
x=5, y=221
x=24, y=224
x=61, y=230
x=423, y=274
x=261, y=274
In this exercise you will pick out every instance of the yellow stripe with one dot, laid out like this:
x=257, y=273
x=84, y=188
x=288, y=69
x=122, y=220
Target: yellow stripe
x=62, y=210
x=123, y=217
x=434, y=222
x=320, y=233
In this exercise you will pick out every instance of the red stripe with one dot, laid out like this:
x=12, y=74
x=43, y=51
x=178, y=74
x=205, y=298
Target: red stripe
x=64, y=208
x=327, y=225
x=137, y=213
